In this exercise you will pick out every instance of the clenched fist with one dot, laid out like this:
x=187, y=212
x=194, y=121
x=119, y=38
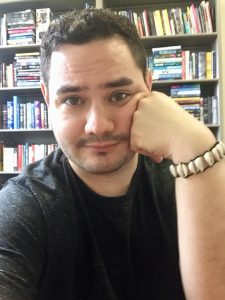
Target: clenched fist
x=163, y=129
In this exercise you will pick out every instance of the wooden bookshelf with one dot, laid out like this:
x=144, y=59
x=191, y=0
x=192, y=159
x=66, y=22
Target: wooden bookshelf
x=203, y=41
x=191, y=41
x=13, y=137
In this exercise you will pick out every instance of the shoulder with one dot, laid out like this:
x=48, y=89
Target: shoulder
x=41, y=192
x=38, y=184
x=45, y=172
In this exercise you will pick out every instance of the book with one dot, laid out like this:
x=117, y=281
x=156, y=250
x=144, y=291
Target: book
x=146, y=23
x=1, y=155
x=202, y=65
x=158, y=22
x=10, y=115
x=209, y=74
x=15, y=112
x=37, y=114
x=152, y=22
x=9, y=155
x=166, y=22
x=43, y=19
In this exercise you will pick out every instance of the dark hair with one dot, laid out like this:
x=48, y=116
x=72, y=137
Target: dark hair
x=79, y=27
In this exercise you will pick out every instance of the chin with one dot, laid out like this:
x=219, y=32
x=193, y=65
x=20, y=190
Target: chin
x=103, y=165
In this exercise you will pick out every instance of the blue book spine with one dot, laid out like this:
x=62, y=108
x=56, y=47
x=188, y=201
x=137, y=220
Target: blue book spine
x=15, y=112
x=10, y=123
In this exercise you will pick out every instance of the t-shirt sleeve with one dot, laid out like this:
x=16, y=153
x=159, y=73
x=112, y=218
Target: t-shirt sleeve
x=22, y=236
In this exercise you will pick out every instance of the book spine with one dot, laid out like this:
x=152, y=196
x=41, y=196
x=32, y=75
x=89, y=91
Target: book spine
x=37, y=114
x=158, y=22
x=10, y=117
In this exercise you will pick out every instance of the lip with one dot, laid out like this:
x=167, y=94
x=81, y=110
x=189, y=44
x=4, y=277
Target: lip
x=101, y=146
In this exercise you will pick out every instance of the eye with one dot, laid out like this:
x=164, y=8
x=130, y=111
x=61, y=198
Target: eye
x=121, y=96
x=73, y=101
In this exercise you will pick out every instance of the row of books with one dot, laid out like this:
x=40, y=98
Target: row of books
x=23, y=72
x=24, y=27
x=27, y=26
x=172, y=62
x=191, y=19
x=165, y=62
x=14, y=159
x=185, y=90
x=19, y=114
x=205, y=109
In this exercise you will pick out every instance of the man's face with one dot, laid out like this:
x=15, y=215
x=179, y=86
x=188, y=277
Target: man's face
x=91, y=103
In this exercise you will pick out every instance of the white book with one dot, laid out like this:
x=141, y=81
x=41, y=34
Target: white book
x=8, y=159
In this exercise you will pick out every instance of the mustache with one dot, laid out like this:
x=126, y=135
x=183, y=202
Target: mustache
x=122, y=137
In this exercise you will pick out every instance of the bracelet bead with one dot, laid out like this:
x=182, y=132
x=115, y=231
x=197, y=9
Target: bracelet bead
x=208, y=157
x=199, y=163
x=216, y=154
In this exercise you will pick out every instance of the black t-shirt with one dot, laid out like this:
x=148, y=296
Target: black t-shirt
x=60, y=240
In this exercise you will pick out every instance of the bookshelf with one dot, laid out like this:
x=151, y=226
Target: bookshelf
x=200, y=41
x=195, y=41
x=11, y=138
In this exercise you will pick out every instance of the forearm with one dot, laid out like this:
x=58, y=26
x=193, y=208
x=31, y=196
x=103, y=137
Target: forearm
x=201, y=229
x=162, y=129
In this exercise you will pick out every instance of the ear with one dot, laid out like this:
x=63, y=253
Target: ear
x=45, y=93
x=148, y=79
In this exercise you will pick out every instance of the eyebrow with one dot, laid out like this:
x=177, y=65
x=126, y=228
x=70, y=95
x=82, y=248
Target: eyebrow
x=70, y=89
x=124, y=81
x=117, y=83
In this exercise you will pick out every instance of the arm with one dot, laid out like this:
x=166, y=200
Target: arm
x=21, y=243
x=162, y=129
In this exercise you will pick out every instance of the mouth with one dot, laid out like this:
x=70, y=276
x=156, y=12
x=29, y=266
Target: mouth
x=101, y=146
x=105, y=141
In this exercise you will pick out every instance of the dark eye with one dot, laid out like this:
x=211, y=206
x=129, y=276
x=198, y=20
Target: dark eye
x=73, y=101
x=119, y=97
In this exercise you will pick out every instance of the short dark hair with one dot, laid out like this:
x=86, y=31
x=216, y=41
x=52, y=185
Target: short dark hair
x=80, y=27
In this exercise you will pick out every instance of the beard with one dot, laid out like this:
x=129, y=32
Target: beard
x=100, y=162
x=101, y=165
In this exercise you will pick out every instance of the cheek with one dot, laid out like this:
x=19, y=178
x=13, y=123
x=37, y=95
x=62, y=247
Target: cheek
x=66, y=127
x=125, y=117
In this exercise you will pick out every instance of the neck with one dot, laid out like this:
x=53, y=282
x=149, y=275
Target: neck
x=113, y=184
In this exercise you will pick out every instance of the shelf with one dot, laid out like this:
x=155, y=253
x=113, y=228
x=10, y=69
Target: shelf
x=18, y=88
x=56, y=5
x=9, y=173
x=12, y=137
x=11, y=50
x=24, y=130
x=186, y=40
x=18, y=47
x=167, y=83
x=213, y=125
x=155, y=83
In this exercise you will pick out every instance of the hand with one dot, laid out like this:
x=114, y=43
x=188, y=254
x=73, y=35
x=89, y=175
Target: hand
x=163, y=129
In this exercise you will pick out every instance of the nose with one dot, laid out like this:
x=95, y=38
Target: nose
x=99, y=121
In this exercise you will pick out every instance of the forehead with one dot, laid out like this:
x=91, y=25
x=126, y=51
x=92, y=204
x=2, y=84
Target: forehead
x=103, y=52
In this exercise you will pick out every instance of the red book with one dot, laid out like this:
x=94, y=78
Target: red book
x=19, y=157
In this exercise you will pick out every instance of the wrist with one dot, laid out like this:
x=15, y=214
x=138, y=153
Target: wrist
x=199, y=163
x=193, y=145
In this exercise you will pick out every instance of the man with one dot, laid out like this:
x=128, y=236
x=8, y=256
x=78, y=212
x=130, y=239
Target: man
x=97, y=219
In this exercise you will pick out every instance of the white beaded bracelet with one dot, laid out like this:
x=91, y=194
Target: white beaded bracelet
x=199, y=163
